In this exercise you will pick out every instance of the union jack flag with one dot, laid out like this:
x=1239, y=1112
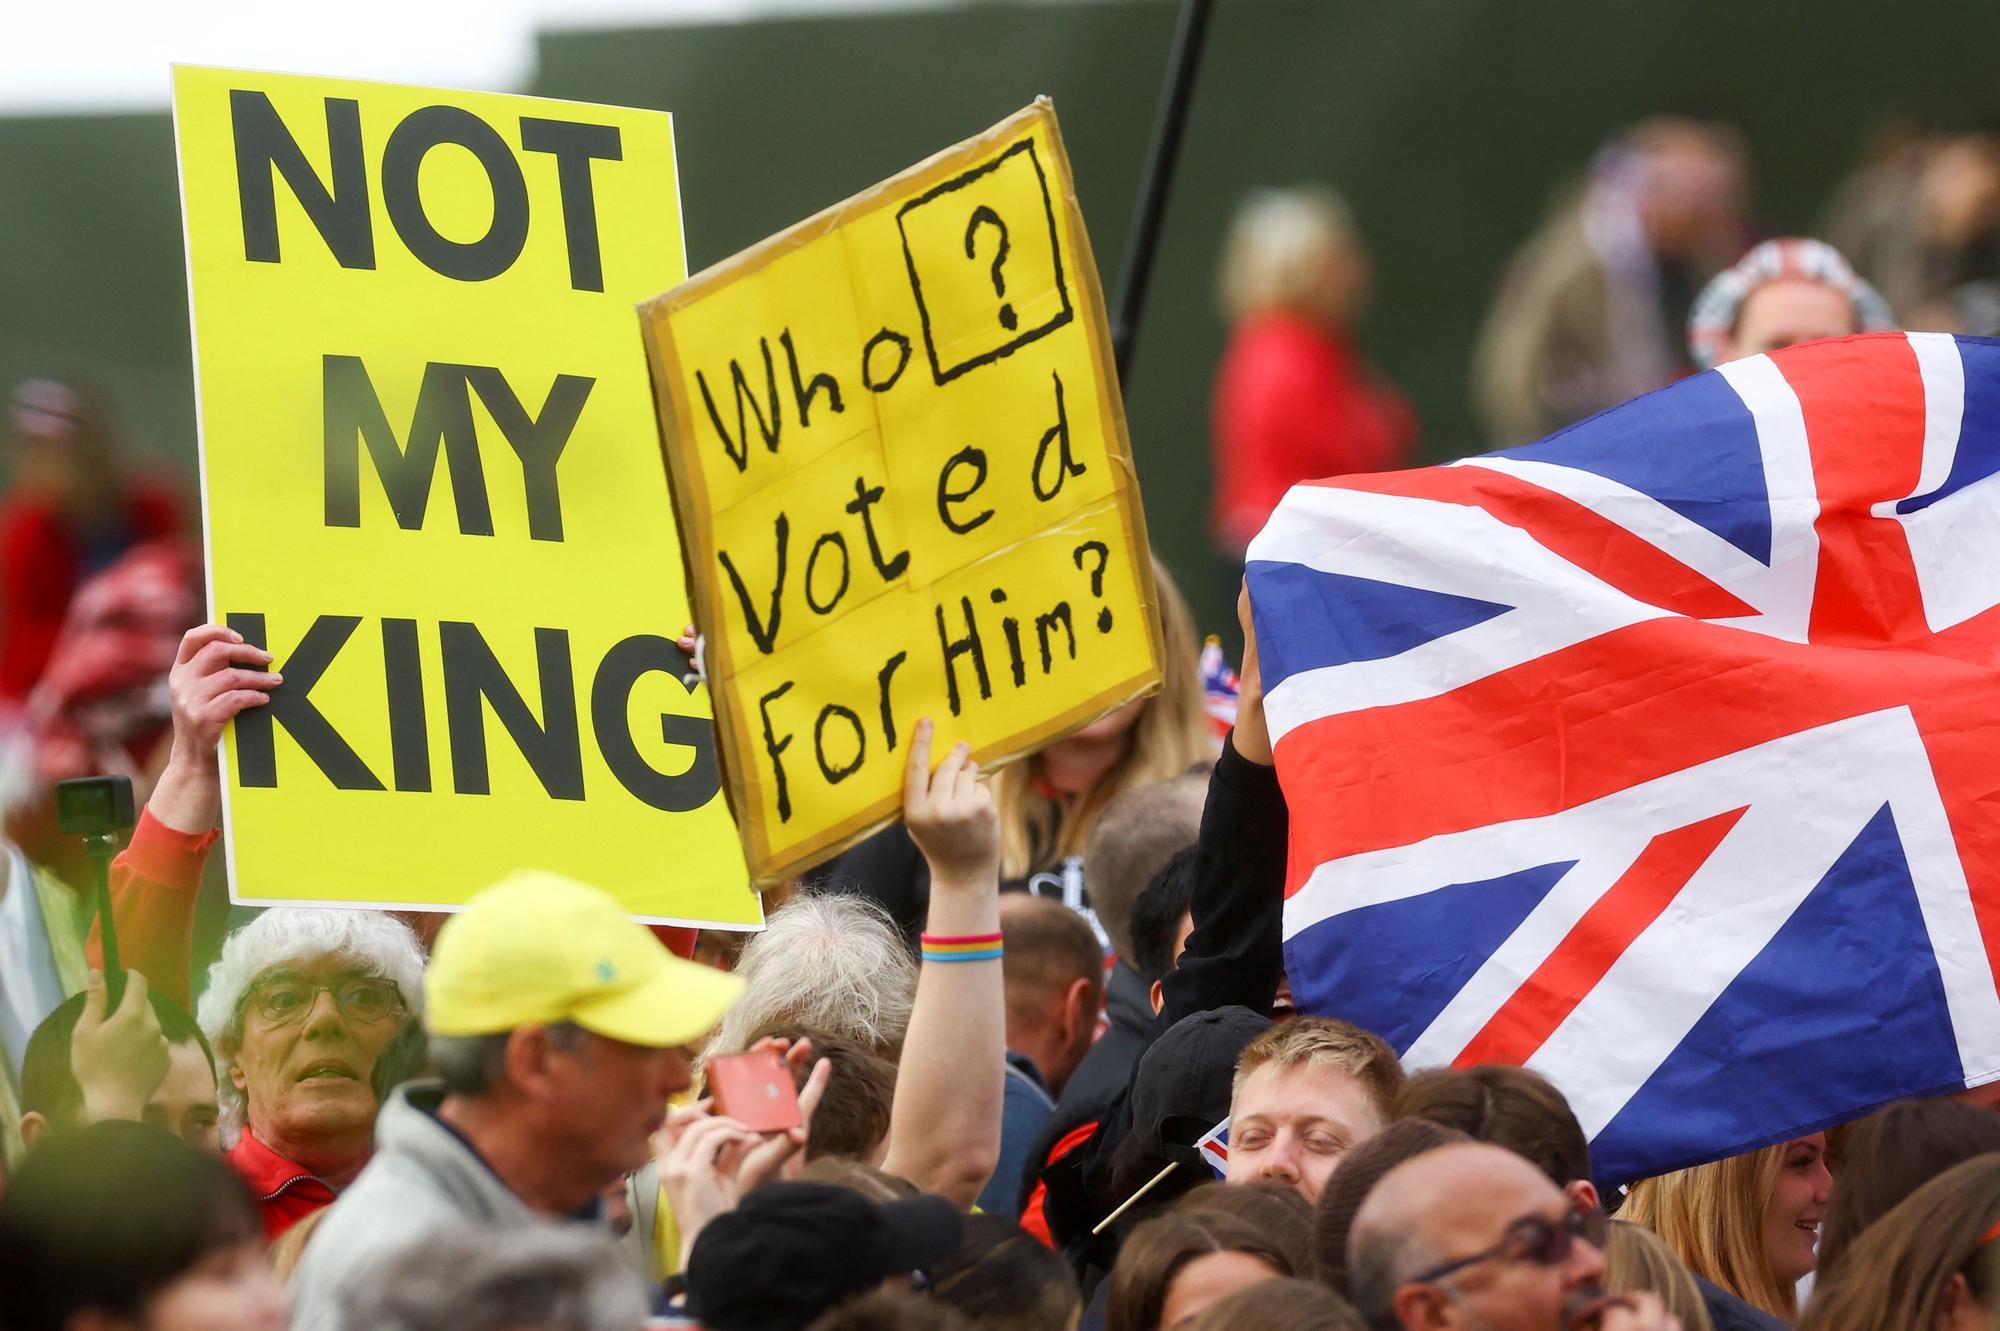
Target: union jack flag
x=1214, y=1149
x=1219, y=687
x=1662, y=756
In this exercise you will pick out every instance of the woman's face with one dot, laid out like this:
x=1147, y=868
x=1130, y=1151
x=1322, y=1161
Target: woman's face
x=1796, y=1207
x=231, y=1289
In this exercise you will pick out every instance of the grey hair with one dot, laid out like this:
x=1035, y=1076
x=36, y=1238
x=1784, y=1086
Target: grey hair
x=1380, y=1259
x=475, y=1064
x=552, y=1278
x=376, y=942
x=834, y=962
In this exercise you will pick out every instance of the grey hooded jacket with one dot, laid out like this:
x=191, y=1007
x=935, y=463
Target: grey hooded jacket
x=423, y=1180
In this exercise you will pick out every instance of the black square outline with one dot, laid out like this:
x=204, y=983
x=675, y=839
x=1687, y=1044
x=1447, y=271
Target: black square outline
x=938, y=373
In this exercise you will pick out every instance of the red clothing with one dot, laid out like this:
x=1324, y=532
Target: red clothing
x=44, y=558
x=154, y=882
x=1294, y=402
x=287, y=1193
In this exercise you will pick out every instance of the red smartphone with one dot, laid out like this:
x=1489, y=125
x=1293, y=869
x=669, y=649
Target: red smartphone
x=755, y=1089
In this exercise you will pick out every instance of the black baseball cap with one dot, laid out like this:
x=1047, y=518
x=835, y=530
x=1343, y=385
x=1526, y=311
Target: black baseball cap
x=790, y=1251
x=1183, y=1085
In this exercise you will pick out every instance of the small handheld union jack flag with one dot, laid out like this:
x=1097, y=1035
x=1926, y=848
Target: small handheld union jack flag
x=1214, y=1148
x=1219, y=687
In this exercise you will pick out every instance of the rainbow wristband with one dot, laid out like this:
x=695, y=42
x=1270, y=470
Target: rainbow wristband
x=961, y=947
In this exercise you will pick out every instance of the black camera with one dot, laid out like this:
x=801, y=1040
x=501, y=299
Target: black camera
x=94, y=805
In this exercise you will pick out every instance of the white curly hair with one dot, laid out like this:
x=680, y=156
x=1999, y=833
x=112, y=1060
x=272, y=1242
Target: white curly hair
x=379, y=943
x=833, y=962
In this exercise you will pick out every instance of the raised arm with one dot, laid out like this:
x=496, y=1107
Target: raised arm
x=1235, y=955
x=944, y=1126
x=155, y=879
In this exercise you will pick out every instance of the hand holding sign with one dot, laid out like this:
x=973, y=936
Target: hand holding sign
x=951, y=815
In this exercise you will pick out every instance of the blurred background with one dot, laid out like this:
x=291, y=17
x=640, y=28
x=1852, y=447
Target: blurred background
x=1453, y=130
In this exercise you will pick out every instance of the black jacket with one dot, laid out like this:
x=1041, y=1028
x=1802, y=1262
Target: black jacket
x=1234, y=957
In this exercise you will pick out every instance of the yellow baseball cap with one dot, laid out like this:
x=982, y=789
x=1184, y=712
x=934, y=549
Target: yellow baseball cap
x=541, y=948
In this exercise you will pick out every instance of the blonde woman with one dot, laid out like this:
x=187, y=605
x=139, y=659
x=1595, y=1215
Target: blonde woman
x=1749, y=1223
x=1294, y=399
x=1049, y=803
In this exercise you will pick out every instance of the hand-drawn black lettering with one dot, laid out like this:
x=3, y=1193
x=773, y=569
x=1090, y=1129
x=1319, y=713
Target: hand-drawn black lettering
x=836, y=774
x=1096, y=578
x=775, y=747
x=953, y=648
x=985, y=216
x=974, y=458
x=945, y=196
x=1012, y=628
x=291, y=706
x=834, y=540
x=863, y=504
x=402, y=163
x=872, y=378
x=339, y=214
x=610, y=697
x=472, y=674
x=538, y=440
x=738, y=448
x=882, y=678
x=443, y=415
x=803, y=393
x=1058, y=614
x=575, y=145
x=1066, y=465
x=409, y=730
x=763, y=632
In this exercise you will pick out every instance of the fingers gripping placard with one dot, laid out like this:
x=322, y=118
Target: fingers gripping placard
x=900, y=464
x=432, y=491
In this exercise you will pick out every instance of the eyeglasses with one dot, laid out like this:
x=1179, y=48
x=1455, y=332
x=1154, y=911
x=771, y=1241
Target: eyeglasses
x=282, y=999
x=1530, y=1239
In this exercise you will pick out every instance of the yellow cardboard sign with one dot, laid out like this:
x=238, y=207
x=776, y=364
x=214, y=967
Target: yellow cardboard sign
x=900, y=462
x=432, y=488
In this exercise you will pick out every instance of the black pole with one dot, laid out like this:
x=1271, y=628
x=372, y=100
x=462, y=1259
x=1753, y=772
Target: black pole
x=101, y=846
x=1161, y=158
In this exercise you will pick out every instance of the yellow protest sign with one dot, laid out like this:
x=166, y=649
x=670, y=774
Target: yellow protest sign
x=432, y=488
x=900, y=464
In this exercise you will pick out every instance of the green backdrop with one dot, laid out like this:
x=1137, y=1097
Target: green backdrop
x=1446, y=122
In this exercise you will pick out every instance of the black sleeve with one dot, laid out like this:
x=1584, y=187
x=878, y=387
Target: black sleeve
x=889, y=870
x=1235, y=956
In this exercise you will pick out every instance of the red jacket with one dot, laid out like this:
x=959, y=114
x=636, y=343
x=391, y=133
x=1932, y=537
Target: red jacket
x=1294, y=402
x=287, y=1192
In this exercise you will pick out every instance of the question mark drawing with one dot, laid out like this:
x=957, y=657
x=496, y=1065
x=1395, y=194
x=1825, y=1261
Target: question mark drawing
x=1096, y=578
x=985, y=216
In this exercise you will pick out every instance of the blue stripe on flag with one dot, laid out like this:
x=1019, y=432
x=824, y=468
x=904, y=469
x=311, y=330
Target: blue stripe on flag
x=1978, y=454
x=1391, y=967
x=1843, y=1007
x=1647, y=443
x=1307, y=619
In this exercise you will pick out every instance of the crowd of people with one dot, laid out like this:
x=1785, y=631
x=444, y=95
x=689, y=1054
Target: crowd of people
x=1012, y=1024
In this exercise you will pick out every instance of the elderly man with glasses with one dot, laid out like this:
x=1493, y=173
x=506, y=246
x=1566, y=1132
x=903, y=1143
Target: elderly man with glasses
x=298, y=1010
x=1472, y=1237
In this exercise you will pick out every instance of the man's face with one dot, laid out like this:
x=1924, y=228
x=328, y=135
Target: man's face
x=1496, y=1207
x=607, y=1098
x=1784, y=313
x=184, y=1104
x=1294, y=1124
x=311, y=1033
